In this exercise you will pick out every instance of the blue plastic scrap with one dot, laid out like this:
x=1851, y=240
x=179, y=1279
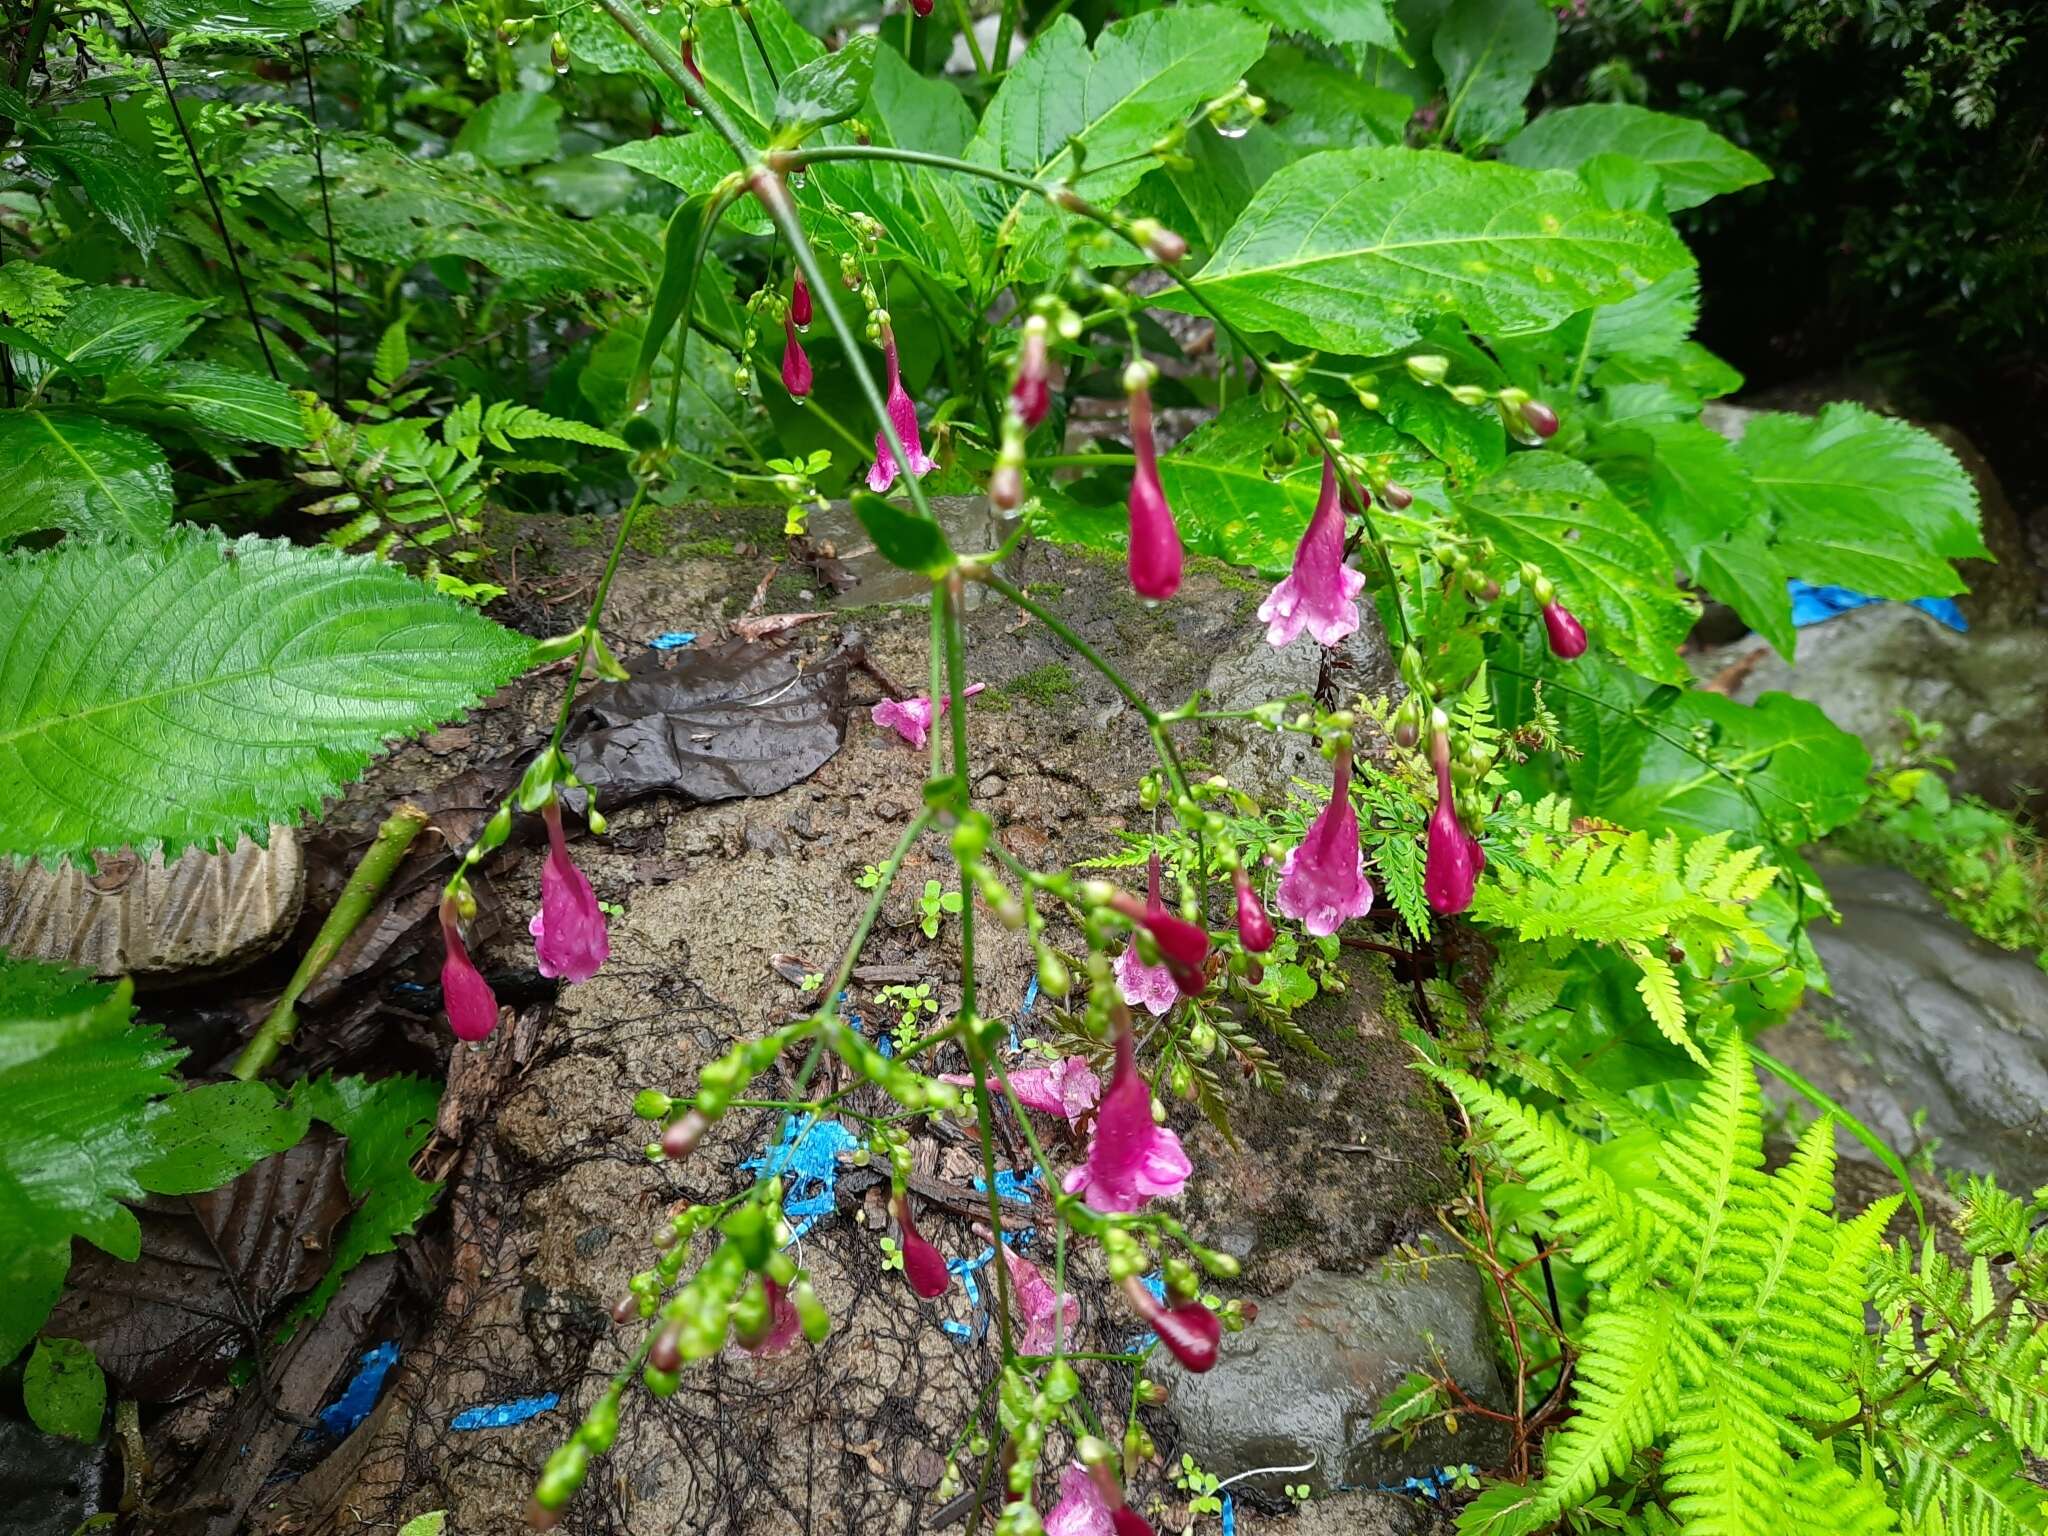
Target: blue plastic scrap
x=1229, y=1516
x=504, y=1415
x=807, y=1157
x=1813, y=604
x=1156, y=1284
x=1010, y=1185
x=360, y=1395
x=673, y=640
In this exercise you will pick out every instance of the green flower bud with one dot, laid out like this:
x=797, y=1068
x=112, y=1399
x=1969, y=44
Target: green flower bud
x=651, y=1104
x=562, y=1476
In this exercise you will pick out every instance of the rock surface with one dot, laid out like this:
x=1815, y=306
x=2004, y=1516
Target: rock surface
x=1302, y=1384
x=1926, y=1016
x=552, y=1201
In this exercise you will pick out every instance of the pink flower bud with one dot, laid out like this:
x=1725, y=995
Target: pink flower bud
x=1006, y=488
x=1191, y=1331
x=1451, y=871
x=681, y=1139
x=1397, y=496
x=923, y=1265
x=903, y=417
x=782, y=1327
x=1567, y=634
x=1183, y=946
x=472, y=1007
x=569, y=936
x=1032, y=392
x=922, y=7
x=1254, y=927
x=1155, y=554
x=796, y=363
x=800, y=302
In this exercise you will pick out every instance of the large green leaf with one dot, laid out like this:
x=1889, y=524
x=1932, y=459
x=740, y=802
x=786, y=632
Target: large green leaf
x=1356, y=249
x=916, y=111
x=1864, y=500
x=513, y=128
x=216, y=399
x=1490, y=52
x=1065, y=113
x=70, y=469
x=188, y=693
x=1692, y=161
x=1314, y=105
x=208, y=1135
x=697, y=163
x=828, y=89
x=64, y=1389
x=386, y=1123
x=245, y=18
x=105, y=330
x=1609, y=569
x=125, y=186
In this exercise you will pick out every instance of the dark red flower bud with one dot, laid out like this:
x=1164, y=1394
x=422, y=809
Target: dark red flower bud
x=1254, y=927
x=1397, y=496
x=922, y=7
x=472, y=1007
x=1567, y=634
x=1191, y=1331
x=796, y=363
x=800, y=302
x=666, y=1352
x=690, y=60
x=923, y=1265
x=1155, y=552
x=1032, y=392
x=1126, y=1521
x=1541, y=418
x=681, y=1139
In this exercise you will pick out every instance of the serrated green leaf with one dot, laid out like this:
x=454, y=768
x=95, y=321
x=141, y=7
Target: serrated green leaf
x=1314, y=105
x=1609, y=569
x=1357, y=249
x=185, y=694
x=64, y=1389
x=1331, y=21
x=226, y=402
x=1654, y=322
x=107, y=330
x=1490, y=52
x=207, y=1136
x=124, y=186
x=70, y=469
x=905, y=540
x=695, y=162
x=513, y=128
x=76, y=1083
x=1066, y=113
x=386, y=1123
x=1692, y=161
x=826, y=90
x=245, y=18
x=1865, y=501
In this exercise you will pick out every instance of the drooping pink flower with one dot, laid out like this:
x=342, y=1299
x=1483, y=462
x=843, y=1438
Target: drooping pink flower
x=800, y=302
x=1067, y=1088
x=569, y=938
x=1190, y=1330
x=1155, y=552
x=1183, y=946
x=1450, y=873
x=1254, y=927
x=1322, y=882
x=1321, y=593
x=1144, y=986
x=472, y=1006
x=783, y=1324
x=1031, y=394
x=796, y=363
x=1567, y=635
x=923, y=1265
x=1038, y=1305
x=912, y=718
x=903, y=417
x=1080, y=1510
x=1130, y=1159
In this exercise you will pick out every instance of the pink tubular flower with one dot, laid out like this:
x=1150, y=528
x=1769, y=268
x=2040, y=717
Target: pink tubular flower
x=1254, y=927
x=1038, y=1305
x=800, y=302
x=1067, y=1088
x=569, y=938
x=1183, y=946
x=796, y=363
x=1081, y=1510
x=903, y=417
x=1567, y=634
x=472, y=1006
x=1321, y=593
x=783, y=1324
x=923, y=1265
x=1451, y=872
x=1191, y=1331
x=1031, y=394
x=1144, y=986
x=912, y=718
x=1130, y=1159
x=1155, y=553
x=1323, y=883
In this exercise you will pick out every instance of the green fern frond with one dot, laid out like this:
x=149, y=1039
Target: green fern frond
x=1624, y=1395
x=392, y=357
x=1724, y=1462
x=1823, y=1497
x=1715, y=1203
x=1960, y=1473
x=506, y=421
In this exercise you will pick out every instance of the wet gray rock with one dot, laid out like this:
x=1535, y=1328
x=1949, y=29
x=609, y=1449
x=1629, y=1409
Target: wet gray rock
x=1248, y=672
x=1367, y=1514
x=1988, y=688
x=1303, y=1382
x=50, y=1486
x=1926, y=1016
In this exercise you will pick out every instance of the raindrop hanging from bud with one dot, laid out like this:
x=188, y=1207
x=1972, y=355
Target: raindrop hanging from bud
x=558, y=53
